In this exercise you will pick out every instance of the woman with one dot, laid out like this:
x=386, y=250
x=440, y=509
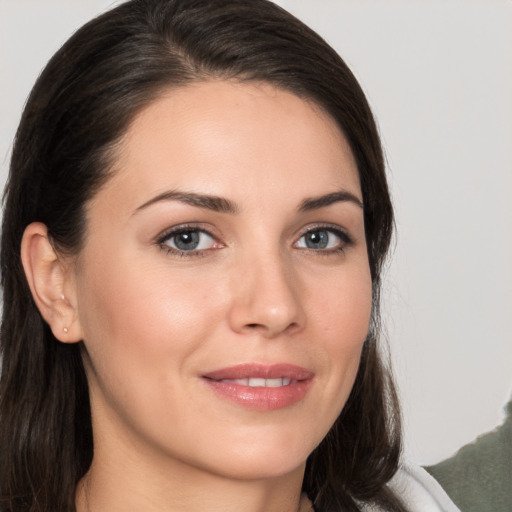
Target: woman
x=195, y=223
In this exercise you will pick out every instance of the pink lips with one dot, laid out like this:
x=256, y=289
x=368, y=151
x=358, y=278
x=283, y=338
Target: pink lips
x=261, y=387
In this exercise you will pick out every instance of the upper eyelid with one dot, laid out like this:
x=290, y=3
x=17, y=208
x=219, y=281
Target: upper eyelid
x=327, y=227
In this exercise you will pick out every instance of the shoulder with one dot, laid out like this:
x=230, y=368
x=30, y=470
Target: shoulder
x=418, y=491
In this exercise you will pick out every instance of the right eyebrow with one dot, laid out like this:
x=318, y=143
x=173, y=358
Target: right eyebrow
x=209, y=202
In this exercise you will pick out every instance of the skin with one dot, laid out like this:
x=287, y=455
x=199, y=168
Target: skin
x=154, y=320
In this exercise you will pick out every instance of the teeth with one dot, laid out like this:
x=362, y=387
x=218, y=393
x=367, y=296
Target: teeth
x=260, y=383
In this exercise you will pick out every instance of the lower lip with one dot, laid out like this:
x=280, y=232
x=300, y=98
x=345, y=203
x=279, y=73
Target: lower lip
x=261, y=398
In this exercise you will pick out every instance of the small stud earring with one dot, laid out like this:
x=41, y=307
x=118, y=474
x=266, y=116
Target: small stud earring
x=65, y=330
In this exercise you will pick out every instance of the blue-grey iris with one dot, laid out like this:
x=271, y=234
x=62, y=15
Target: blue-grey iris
x=317, y=239
x=187, y=241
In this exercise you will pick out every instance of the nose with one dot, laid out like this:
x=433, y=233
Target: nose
x=267, y=299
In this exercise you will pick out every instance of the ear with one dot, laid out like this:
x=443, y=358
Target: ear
x=51, y=282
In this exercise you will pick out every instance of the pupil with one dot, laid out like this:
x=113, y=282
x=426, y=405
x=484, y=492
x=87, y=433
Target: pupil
x=187, y=241
x=317, y=240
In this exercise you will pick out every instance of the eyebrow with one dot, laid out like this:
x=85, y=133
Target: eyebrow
x=214, y=203
x=314, y=203
x=223, y=205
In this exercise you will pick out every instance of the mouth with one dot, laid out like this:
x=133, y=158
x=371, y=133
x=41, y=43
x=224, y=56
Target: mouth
x=261, y=387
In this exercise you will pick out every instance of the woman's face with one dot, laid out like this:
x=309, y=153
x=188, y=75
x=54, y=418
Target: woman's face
x=223, y=291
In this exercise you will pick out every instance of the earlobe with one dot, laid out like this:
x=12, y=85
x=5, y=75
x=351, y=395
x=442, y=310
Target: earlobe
x=49, y=281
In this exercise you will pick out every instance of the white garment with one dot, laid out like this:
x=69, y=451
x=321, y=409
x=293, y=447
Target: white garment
x=419, y=491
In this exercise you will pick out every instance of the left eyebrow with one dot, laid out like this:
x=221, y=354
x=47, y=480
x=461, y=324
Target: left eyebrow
x=314, y=203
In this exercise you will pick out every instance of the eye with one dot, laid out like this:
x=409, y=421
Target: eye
x=323, y=239
x=187, y=240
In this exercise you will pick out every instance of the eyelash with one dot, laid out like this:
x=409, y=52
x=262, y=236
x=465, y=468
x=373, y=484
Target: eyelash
x=162, y=241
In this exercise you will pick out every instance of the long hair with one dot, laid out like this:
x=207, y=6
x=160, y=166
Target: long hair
x=79, y=108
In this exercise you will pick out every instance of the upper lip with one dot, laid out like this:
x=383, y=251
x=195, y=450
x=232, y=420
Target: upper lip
x=261, y=371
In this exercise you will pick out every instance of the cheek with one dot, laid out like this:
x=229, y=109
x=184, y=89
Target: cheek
x=142, y=328
x=132, y=294
x=342, y=317
x=344, y=310
x=136, y=314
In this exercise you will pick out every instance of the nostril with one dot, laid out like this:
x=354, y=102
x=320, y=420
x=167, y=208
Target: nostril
x=270, y=330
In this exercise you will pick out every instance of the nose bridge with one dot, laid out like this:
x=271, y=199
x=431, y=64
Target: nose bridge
x=266, y=295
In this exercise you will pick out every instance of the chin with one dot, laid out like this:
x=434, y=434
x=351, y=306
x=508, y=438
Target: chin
x=260, y=457
x=258, y=468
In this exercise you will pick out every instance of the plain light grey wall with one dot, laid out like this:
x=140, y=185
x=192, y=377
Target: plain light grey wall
x=439, y=77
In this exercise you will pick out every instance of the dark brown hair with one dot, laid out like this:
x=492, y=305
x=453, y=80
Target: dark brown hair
x=80, y=106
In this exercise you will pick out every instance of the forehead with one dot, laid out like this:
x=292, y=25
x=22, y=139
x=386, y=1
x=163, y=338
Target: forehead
x=250, y=136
